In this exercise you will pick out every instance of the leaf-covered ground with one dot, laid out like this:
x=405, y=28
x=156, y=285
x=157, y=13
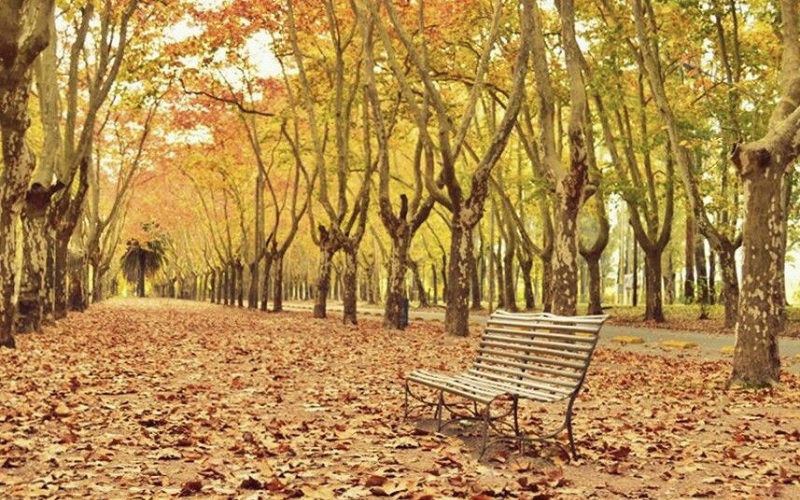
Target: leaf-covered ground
x=157, y=399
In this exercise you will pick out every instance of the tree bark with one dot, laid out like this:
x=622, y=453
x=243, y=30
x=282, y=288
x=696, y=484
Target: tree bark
x=239, y=287
x=526, y=265
x=252, y=293
x=213, y=285
x=422, y=294
x=595, y=292
x=654, y=309
x=456, y=317
x=277, y=298
x=266, y=282
x=762, y=316
x=730, y=285
x=140, y=289
x=475, y=283
x=395, y=293
x=77, y=283
x=564, y=283
x=323, y=284
x=702, y=292
x=509, y=290
x=350, y=285
x=30, y=303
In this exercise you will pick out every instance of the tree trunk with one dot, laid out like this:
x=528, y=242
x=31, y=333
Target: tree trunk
x=30, y=303
x=435, y=277
x=213, y=286
x=99, y=276
x=266, y=282
x=48, y=306
x=730, y=286
x=595, y=284
x=702, y=292
x=445, y=268
x=456, y=317
x=395, y=293
x=252, y=294
x=277, y=299
x=669, y=282
x=762, y=314
x=526, y=265
x=8, y=252
x=497, y=283
x=565, y=251
x=77, y=283
x=220, y=284
x=688, y=282
x=323, y=283
x=224, y=285
x=475, y=284
x=140, y=282
x=547, y=282
x=422, y=294
x=25, y=34
x=654, y=309
x=509, y=290
x=239, y=270
x=350, y=285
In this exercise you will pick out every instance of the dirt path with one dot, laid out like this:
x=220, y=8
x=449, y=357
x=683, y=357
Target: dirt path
x=157, y=399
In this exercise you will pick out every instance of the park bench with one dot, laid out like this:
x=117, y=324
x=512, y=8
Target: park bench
x=539, y=357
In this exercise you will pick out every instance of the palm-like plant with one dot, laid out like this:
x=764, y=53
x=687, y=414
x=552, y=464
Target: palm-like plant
x=140, y=261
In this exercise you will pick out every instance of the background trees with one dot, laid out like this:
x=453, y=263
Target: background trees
x=371, y=134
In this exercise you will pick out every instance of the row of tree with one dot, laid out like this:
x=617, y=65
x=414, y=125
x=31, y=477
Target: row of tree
x=420, y=116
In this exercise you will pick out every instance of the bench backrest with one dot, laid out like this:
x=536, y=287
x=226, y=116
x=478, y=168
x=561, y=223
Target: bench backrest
x=542, y=354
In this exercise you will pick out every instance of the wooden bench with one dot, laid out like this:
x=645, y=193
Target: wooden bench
x=539, y=357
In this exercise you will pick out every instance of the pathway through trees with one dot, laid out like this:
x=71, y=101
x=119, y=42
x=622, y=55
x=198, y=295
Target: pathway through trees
x=157, y=398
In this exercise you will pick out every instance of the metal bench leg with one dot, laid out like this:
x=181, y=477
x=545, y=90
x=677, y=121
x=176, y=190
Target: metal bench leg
x=439, y=409
x=571, y=439
x=517, y=434
x=486, y=419
x=405, y=404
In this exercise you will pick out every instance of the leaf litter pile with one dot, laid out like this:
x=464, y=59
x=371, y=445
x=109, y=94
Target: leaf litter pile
x=158, y=399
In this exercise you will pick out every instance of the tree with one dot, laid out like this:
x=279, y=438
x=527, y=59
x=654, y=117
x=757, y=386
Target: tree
x=412, y=213
x=764, y=166
x=103, y=227
x=594, y=238
x=93, y=63
x=346, y=211
x=24, y=33
x=466, y=208
x=140, y=261
x=568, y=181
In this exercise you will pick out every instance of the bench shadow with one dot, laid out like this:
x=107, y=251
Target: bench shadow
x=500, y=452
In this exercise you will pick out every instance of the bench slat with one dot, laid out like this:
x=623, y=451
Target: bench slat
x=483, y=393
x=570, y=351
x=531, y=351
x=567, y=378
x=545, y=318
x=540, y=392
x=557, y=324
x=526, y=361
x=539, y=334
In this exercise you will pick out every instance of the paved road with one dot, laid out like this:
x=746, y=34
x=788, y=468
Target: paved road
x=708, y=345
